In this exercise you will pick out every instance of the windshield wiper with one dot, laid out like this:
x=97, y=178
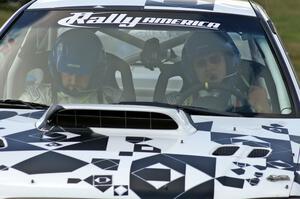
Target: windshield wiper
x=13, y=103
x=193, y=110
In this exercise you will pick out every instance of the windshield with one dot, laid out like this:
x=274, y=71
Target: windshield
x=198, y=60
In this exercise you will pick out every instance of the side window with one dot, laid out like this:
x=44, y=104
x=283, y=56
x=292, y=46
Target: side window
x=276, y=76
x=9, y=46
x=6, y=47
x=5, y=51
x=31, y=54
x=259, y=68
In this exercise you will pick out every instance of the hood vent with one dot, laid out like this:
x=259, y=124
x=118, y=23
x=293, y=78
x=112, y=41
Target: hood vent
x=112, y=119
x=226, y=150
x=259, y=153
x=3, y=143
x=231, y=150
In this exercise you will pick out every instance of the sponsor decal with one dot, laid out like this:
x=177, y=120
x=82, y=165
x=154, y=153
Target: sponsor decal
x=91, y=19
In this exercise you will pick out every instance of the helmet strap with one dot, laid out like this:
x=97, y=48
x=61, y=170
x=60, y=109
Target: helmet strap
x=54, y=94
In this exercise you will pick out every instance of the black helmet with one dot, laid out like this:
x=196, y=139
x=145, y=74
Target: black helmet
x=78, y=52
x=204, y=42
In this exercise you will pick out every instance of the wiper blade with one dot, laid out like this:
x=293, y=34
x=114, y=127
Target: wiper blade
x=13, y=103
x=204, y=111
x=188, y=109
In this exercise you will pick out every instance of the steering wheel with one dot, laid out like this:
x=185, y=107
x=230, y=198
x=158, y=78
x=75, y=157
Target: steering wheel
x=218, y=89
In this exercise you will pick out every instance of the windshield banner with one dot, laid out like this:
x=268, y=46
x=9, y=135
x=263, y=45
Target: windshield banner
x=123, y=20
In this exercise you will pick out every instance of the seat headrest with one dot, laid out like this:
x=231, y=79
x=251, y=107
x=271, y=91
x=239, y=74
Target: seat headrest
x=151, y=54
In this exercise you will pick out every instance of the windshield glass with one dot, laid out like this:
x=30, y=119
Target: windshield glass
x=198, y=60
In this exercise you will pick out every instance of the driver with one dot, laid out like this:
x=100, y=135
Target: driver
x=211, y=59
x=77, y=66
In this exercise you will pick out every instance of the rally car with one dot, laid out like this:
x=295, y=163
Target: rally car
x=147, y=99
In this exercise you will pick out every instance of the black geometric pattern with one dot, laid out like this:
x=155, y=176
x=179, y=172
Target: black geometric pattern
x=203, y=126
x=106, y=164
x=89, y=142
x=238, y=171
x=16, y=145
x=54, y=137
x=260, y=167
x=226, y=138
x=252, y=178
x=231, y=182
x=297, y=177
x=258, y=174
x=280, y=157
x=2, y=143
x=250, y=142
x=145, y=148
x=3, y=168
x=295, y=138
x=7, y=114
x=96, y=144
x=253, y=181
x=276, y=128
x=278, y=164
x=74, y=180
x=135, y=140
x=161, y=175
x=34, y=115
x=35, y=135
x=53, y=144
x=160, y=185
x=205, y=190
x=121, y=190
x=49, y=162
x=204, y=164
x=126, y=153
x=101, y=182
x=241, y=164
x=223, y=138
x=171, y=175
x=157, y=174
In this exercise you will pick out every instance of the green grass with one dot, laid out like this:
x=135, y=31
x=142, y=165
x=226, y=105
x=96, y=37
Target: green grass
x=284, y=13
x=5, y=12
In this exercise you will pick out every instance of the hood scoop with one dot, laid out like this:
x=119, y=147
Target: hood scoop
x=115, y=117
x=112, y=119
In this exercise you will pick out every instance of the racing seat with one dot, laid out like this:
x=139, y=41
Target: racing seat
x=117, y=64
x=168, y=72
x=22, y=67
x=154, y=56
x=39, y=61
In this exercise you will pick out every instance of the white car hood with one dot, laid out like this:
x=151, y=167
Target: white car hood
x=110, y=165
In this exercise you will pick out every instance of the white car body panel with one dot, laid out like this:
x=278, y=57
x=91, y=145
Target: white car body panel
x=212, y=132
x=187, y=162
x=221, y=6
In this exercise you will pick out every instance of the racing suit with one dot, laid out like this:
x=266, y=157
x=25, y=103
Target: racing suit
x=42, y=93
x=257, y=98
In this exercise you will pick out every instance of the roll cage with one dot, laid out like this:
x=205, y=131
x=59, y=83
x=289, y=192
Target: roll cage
x=168, y=67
